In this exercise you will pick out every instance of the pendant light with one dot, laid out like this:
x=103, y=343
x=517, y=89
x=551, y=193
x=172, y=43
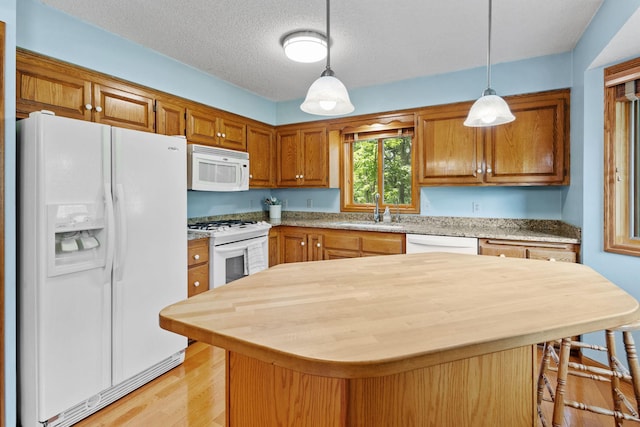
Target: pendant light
x=490, y=109
x=327, y=96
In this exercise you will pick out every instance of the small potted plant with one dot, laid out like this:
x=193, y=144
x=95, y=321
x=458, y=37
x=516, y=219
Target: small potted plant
x=275, y=208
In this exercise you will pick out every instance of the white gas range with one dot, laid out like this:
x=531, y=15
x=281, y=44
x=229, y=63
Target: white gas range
x=237, y=248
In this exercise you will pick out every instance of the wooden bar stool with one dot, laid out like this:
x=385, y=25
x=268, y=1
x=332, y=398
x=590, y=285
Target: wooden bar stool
x=622, y=408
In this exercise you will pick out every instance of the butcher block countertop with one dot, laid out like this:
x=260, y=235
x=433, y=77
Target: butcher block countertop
x=375, y=316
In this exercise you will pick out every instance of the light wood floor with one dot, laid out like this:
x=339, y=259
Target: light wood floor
x=193, y=395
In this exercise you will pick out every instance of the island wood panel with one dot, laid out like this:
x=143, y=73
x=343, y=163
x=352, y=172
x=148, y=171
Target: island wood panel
x=267, y=395
x=495, y=389
x=466, y=392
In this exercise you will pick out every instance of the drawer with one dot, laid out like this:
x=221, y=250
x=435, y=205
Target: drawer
x=198, y=251
x=342, y=241
x=551, y=254
x=198, y=279
x=390, y=244
x=503, y=251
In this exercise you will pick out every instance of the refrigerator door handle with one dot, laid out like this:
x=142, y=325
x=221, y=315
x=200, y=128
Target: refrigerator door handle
x=122, y=231
x=110, y=232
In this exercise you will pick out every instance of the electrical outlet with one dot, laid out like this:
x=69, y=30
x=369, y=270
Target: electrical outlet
x=475, y=207
x=309, y=203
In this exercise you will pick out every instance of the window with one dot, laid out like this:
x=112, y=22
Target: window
x=622, y=158
x=379, y=159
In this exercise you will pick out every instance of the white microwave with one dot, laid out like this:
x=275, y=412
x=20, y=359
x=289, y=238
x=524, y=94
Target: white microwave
x=216, y=169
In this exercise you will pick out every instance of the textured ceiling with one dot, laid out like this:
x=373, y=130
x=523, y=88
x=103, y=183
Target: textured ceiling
x=373, y=41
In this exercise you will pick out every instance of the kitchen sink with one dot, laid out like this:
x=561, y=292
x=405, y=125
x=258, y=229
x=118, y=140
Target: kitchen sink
x=372, y=225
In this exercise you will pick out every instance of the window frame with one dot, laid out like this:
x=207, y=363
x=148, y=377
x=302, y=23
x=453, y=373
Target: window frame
x=617, y=157
x=381, y=125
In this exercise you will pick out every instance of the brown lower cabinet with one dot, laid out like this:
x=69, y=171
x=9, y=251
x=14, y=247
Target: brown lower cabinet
x=298, y=244
x=565, y=252
x=198, y=266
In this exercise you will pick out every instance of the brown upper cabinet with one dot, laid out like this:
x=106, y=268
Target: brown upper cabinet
x=532, y=150
x=70, y=92
x=170, y=117
x=261, y=149
x=302, y=157
x=207, y=126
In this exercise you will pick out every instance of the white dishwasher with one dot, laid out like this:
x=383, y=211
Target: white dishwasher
x=417, y=243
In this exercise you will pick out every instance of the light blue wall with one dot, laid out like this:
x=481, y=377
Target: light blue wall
x=530, y=75
x=50, y=32
x=8, y=15
x=584, y=200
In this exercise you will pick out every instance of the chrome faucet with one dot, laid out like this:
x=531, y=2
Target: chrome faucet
x=376, y=210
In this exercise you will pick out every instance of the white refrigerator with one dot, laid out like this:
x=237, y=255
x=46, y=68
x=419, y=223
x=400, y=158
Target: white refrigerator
x=102, y=249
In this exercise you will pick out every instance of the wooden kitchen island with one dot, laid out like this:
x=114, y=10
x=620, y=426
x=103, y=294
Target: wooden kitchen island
x=402, y=340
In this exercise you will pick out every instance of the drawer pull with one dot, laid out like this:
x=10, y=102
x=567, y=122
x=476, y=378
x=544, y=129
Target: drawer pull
x=196, y=257
x=523, y=243
x=552, y=259
x=503, y=256
x=196, y=284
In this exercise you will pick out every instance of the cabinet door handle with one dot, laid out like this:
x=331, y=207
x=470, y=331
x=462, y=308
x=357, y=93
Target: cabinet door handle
x=88, y=107
x=224, y=135
x=196, y=284
x=318, y=244
x=479, y=170
x=251, y=176
x=301, y=176
x=503, y=256
x=489, y=170
x=297, y=176
x=196, y=257
x=552, y=259
x=98, y=109
x=301, y=243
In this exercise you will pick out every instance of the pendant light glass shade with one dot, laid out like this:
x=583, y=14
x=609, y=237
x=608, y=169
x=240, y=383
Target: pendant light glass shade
x=327, y=96
x=305, y=46
x=490, y=109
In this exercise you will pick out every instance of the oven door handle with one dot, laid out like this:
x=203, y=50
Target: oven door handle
x=231, y=247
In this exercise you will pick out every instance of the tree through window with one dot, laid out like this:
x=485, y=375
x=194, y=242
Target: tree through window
x=379, y=162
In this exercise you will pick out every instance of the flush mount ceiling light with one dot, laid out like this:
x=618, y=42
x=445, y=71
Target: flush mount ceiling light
x=305, y=46
x=327, y=96
x=490, y=109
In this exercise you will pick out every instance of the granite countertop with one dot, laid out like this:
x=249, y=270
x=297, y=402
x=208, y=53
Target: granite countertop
x=491, y=228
